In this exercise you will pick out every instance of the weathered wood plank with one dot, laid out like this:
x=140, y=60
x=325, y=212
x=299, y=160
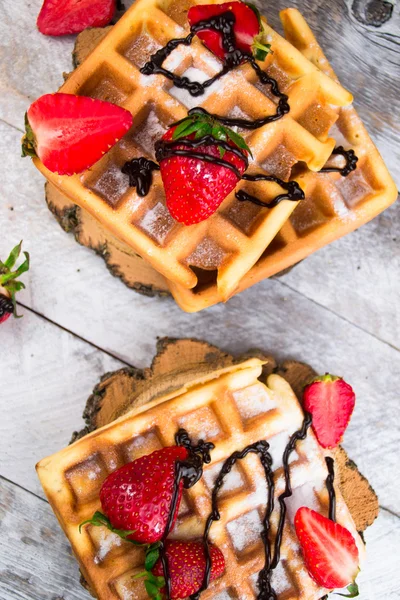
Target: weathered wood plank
x=46, y=374
x=36, y=561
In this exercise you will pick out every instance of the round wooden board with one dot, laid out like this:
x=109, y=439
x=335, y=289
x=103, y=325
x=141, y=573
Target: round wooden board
x=176, y=363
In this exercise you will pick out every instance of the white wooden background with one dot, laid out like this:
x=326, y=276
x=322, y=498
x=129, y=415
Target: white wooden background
x=338, y=310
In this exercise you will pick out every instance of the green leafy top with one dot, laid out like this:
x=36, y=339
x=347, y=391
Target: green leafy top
x=28, y=141
x=260, y=48
x=202, y=125
x=353, y=591
x=100, y=520
x=152, y=583
x=8, y=277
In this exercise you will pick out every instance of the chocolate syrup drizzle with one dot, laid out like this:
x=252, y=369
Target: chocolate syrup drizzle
x=351, y=162
x=294, y=191
x=140, y=171
x=189, y=471
x=223, y=24
x=330, y=463
x=174, y=148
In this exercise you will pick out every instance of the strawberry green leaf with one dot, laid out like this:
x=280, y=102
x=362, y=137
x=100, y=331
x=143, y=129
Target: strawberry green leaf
x=152, y=556
x=151, y=589
x=261, y=51
x=100, y=520
x=353, y=591
x=221, y=151
x=219, y=132
x=28, y=141
x=181, y=127
x=237, y=140
x=15, y=274
x=12, y=258
x=202, y=130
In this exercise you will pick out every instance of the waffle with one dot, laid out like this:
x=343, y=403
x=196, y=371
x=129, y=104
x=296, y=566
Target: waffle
x=334, y=206
x=230, y=242
x=231, y=408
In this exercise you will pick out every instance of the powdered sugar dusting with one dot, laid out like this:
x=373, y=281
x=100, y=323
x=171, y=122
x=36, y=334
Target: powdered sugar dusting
x=254, y=400
x=157, y=222
x=302, y=496
x=279, y=579
x=232, y=481
x=277, y=445
x=149, y=132
x=184, y=96
x=245, y=530
x=107, y=541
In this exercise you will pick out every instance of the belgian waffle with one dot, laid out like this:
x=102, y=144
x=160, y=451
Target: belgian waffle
x=230, y=242
x=231, y=408
x=334, y=205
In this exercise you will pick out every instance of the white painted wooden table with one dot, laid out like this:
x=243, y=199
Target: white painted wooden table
x=338, y=310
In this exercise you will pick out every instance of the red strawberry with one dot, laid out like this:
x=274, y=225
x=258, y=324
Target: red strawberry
x=330, y=400
x=9, y=285
x=70, y=133
x=248, y=28
x=73, y=16
x=194, y=187
x=136, y=498
x=186, y=567
x=330, y=552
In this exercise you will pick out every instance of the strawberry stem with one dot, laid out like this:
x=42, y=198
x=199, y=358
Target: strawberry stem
x=352, y=589
x=8, y=278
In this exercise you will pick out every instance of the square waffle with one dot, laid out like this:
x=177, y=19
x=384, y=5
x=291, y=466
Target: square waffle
x=334, y=205
x=229, y=243
x=232, y=408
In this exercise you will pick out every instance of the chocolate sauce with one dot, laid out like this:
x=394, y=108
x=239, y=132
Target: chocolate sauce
x=174, y=148
x=189, y=472
x=140, y=171
x=261, y=448
x=234, y=57
x=301, y=434
x=330, y=463
x=294, y=191
x=351, y=162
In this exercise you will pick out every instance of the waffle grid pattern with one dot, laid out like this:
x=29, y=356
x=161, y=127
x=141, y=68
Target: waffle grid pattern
x=233, y=239
x=232, y=410
x=334, y=205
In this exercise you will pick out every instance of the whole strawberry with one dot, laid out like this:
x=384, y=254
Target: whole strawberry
x=248, y=29
x=186, y=568
x=330, y=552
x=73, y=16
x=136, y=499
x=9, y=285
x=198, y=175
x=330, y=400
x=70, y=133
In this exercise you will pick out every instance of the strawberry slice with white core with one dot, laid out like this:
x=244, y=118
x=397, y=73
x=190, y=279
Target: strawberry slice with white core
x=329, y=550
x=331, y=401
x=70, y=133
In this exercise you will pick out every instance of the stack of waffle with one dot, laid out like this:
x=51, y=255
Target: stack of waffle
x=241, y=243
x=232, y=408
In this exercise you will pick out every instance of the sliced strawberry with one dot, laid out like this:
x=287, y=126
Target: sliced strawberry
x=136, y=499
x=73, y=16
x=330, y=552
x=9, y=285
x=194, y=187
x=70, y=133
x=330, y=400
x=248, y=28
x=186, y=568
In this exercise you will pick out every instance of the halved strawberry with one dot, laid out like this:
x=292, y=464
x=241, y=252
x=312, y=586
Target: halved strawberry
x=330, y=552
x=73, y=16
x=9, y=285
x=248, y=28
x=330, y=400
x=70, y=133
x=136, y=498
x=195, y=187
x=186, y=568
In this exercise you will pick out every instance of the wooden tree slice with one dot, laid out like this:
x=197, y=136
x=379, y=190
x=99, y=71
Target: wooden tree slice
x=179, y=361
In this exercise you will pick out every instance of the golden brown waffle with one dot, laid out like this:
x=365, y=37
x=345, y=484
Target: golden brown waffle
x=229, y=243
x=334, y=205
x=231, y=408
